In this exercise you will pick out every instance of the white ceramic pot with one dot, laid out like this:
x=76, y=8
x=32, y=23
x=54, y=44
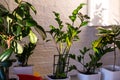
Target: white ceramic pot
x=23, y=70
x=108, y=74
x=81, y=76
x=48, y=78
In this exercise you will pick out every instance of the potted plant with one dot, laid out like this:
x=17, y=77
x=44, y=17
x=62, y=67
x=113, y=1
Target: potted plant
x=100, y=47
x=63, y=37
x=110, y=37
x=23, y=67
x=16, y=25
x=90, y=69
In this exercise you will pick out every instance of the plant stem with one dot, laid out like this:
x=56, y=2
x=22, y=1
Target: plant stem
x=114, y=54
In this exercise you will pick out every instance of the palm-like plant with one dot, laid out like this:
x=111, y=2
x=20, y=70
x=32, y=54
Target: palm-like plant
x=16, y=25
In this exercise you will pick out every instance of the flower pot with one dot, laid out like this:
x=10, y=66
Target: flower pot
x=109, y=74
x=82, y=76
x=23, y=70
x=49, y=78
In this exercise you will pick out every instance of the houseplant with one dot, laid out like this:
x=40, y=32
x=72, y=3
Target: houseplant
x=23, y=67
x=90, y=68
x=16, y=25
x=63, y=37
x=111, y=38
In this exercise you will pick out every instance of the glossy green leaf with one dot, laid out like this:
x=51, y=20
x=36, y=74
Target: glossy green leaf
x=41, y=31
x=33, y=37
x=16, y=29
x=30, y=22
x=18, y=48
x=32, y=7
x=6, y=54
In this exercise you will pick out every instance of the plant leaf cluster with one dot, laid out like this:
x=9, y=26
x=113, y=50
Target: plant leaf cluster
x=65, y=35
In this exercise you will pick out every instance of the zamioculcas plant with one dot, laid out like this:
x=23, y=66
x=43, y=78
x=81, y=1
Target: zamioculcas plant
x=14, y=26
x=64, y=38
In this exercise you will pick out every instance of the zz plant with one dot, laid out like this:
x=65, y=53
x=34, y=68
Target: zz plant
x=64, y=36
x=14, y=26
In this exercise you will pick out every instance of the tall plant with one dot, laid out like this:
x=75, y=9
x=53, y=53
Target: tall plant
x=64, y=38
x=14, y=26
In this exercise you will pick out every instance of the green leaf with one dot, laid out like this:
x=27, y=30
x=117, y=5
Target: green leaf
x=56, y=14
x=72, y=56
x=1, y=20
x=33, y=37
x=41, y=31
x=18, y=48
x=6, y=54
x=16, y=29
x=80, y=6
x=72, y=18
x=18, y=1
x=30, y=22
x=79, y=58
x=84, y=23
x=75, y=12
x=32, y=7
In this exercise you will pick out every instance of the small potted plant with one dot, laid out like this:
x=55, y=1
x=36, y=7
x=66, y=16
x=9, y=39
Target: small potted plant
x=110, y=37
x=23, y=67
x=14, y=26
x=90, y=69
x=63, y=37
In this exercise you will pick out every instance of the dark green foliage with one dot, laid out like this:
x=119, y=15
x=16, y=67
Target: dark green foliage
x=27, y=52
x=15, y=25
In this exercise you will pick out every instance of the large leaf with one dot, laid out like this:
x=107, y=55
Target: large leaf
x=18, y=48
x=16, y=29
x=33, y=37
x=30, y=22
x=32, y=7
x=6, y=54
x=41, y=31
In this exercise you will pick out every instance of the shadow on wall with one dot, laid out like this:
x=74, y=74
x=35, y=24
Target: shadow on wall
x=98, y=15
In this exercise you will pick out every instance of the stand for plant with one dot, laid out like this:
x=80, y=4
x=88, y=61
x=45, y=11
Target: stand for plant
x=61, y=62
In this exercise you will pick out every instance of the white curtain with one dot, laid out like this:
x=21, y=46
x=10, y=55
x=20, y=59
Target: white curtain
x=104, y=12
